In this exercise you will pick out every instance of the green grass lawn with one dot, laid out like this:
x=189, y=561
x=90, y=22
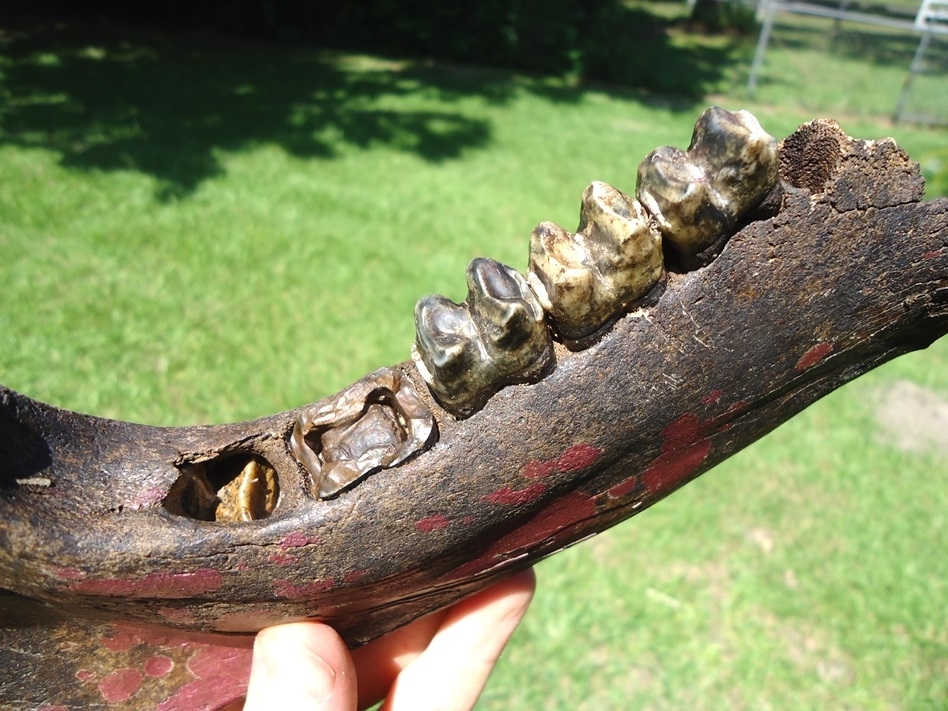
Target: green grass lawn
x=203, y=230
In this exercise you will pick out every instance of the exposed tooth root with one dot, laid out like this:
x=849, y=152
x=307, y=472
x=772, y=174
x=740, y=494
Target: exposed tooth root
x=585, y=279
x=467, y=352
x=697, y=197
x=376, y=423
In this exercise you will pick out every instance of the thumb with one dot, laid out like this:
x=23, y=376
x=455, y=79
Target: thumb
x=301, y=665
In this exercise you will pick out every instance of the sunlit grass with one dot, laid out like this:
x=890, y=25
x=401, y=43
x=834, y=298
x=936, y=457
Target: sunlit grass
x=194, y=230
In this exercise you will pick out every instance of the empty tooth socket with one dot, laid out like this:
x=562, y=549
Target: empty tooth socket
x=697, y=197
x=467, y=352
x=586, y=279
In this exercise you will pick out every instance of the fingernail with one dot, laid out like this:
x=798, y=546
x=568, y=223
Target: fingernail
x=320, y=677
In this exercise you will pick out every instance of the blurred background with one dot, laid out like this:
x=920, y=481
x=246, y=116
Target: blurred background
x=215, y=211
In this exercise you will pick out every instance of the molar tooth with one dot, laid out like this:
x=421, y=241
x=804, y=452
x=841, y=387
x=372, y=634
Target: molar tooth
x=467, y=352
x=697, y=197
x=586, y=279
x=511, y=317
x=622, y=242
x=375, y=423
x=447, y=336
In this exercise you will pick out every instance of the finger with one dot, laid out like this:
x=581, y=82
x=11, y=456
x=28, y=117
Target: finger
x=451, y=673
x=380, y=662
x=301, y=666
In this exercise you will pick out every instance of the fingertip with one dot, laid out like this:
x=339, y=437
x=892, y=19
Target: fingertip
x=301, y=665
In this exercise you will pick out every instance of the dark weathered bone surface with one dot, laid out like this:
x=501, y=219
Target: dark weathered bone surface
x=107, y=586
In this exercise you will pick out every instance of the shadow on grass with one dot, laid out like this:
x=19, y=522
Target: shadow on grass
x=112, y=98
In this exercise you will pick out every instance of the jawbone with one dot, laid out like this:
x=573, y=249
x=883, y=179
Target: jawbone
x=632, y=357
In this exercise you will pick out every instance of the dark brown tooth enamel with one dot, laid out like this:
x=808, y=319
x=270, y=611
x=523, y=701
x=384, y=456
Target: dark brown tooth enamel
x=467, y=352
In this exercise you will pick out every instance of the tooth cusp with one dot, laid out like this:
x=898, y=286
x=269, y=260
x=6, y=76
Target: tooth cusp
x=586, y=279
x=697, y=197
x=467, y=352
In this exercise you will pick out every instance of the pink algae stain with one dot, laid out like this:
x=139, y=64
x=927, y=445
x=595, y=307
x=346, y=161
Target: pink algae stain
x=120, y=685
x=512, y=497
x=933, y=254
x=179, y=615
x=221, y=675
x=432, y=523
x=162, y=585
x=297, y=539
x=354, y=575
x=291, y=591
x=155, y=636
x=158, y=665
x=66, y=573
x=85, y=675
x=577, y=457
x=814, y=356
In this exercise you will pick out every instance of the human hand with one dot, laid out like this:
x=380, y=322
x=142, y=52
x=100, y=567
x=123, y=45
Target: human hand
x=441, y=661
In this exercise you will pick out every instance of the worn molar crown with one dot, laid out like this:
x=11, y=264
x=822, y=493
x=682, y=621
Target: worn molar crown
x=467, y=352
x=374, y=424
x=585, y=279
x=697, y=197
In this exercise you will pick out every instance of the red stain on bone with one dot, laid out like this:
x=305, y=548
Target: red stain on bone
x=561, y=514
x=120, y=685
x=85, y=675
x=814, y=356
x=281, y=559
x=577, y=457
x=160, y=585
x=432, y=523
x=684, y=448
x=221, y=677
x=291, y=591
x=512, y=497
x=674, y=468
x=159, y=665
x=121, y=641
x=712, y=397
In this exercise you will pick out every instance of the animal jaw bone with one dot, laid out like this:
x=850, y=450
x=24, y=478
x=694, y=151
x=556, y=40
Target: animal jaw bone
x=94, y=561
